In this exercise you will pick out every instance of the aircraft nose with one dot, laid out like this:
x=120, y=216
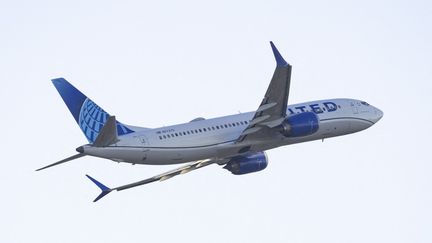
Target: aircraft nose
x=378, y=114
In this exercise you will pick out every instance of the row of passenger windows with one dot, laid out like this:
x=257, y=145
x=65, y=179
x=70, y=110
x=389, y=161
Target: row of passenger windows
x=200, y=130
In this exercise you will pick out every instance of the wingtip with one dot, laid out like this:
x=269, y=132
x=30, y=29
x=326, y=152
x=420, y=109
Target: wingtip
x=280, y=61
x=45, y=167
x=105, y=189
x=59, y=79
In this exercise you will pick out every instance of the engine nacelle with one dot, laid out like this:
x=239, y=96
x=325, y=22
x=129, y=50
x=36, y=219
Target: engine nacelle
x=299, y=125
x=247, y=163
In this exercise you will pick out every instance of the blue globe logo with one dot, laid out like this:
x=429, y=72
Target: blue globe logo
x=91, y=119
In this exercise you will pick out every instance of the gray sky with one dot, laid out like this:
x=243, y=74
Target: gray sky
x=159, y=63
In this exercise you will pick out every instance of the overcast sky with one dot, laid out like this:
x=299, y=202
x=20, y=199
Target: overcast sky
x=155, y=63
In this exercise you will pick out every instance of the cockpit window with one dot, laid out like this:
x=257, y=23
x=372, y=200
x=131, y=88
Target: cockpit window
x=364, y=103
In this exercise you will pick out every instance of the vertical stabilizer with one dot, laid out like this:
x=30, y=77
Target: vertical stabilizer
x=89, y=116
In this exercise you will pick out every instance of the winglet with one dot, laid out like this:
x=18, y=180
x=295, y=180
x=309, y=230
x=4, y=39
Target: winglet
x=279, y=59
x=105, y=189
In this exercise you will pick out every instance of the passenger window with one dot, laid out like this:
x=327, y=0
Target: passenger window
x=176, y=134
x=233, y=124
x=225, y=126
x=160, y=137
x=196, y=131
x=164, y=136
x=168, y=136
x=200, y=130
x=184, y=133
x=241, y=122
x=238, y=124
x=204, y=129
x=217, y=127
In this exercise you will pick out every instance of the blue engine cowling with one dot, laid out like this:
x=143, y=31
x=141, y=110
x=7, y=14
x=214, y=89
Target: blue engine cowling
x=299, y=125
x=247, y=163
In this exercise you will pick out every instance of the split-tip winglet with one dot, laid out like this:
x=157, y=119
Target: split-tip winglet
x=105, y=189
x=280, y=61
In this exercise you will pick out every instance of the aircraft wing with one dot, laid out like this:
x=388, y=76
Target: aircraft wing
x=272, y=110
x=161, y=177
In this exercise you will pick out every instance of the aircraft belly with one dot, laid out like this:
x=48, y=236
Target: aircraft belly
x=155, y=156
x=359, y=125
x=332, y=128
x=119, y=154
x=166, y=156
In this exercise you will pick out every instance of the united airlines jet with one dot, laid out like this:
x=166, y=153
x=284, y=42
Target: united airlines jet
x=236, y=142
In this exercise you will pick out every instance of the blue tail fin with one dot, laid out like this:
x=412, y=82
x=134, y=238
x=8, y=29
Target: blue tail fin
x=89, y=116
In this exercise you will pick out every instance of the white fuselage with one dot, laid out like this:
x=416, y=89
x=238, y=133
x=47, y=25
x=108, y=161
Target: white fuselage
x=215, y=138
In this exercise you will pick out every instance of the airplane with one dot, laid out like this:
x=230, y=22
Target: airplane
x=236, y=142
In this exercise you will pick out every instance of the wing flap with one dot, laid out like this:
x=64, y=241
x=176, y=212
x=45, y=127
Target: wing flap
x=274, y=123
x=259, y=120
x=251, y=130
x=266, y=106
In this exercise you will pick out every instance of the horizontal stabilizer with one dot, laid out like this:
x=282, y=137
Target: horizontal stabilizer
x=76, y=156
x=105, y=189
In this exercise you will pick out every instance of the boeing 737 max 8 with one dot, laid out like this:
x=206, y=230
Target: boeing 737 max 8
x=236, y=142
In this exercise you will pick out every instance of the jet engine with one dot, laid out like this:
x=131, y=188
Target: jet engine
x=248, y=163
x=299, y=125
